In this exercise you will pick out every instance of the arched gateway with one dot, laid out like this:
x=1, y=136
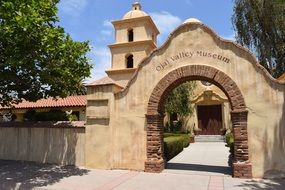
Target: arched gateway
x=155, y=115
x=124, y=110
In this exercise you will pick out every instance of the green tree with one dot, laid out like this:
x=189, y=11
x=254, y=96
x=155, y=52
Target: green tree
x=260, y=26
x=37, y=58
x=178, y=101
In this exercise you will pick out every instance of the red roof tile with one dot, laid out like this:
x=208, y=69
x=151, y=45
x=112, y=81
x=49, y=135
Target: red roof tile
x=104, y=81
x=70, y=101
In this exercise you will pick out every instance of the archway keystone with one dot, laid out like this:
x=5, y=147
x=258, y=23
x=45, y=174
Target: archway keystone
x=155, y=161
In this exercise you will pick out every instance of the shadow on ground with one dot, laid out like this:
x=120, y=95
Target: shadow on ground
x=200, y=168
x=26, y=175
x=227, y=170
x=263, y=185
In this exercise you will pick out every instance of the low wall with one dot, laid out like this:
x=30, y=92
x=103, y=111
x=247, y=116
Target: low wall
x=44, y=142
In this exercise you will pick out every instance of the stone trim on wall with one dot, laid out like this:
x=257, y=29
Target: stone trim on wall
x=155, y=161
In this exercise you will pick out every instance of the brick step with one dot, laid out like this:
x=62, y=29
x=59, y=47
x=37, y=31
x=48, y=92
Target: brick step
x=209, y=138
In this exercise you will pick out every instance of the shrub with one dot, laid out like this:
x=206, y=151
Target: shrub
x=174, y=144
x=186, y=139
x=185, y=136
x=52, y=115
x=171, y=135
x=230, y=142
x=72, y=117
x=28, y=116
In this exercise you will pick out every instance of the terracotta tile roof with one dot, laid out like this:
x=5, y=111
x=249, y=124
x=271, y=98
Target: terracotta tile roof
x=103, y=81
x=70, y=101
x=282, y=77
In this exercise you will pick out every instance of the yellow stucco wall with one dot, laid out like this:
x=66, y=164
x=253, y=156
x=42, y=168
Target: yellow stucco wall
x=142, y=27
x=144, y=41
x=123, y=139
x=119, y=54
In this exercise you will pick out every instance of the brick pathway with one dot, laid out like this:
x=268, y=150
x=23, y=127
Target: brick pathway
x=216, y=183
x=114, y=183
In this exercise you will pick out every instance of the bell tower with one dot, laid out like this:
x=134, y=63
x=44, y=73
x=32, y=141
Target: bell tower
x=135, y=37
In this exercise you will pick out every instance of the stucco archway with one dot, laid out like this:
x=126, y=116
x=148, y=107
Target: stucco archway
x=155, y=162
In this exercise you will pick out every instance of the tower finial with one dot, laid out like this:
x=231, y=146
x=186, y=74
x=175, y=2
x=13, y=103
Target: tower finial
x=137, y=6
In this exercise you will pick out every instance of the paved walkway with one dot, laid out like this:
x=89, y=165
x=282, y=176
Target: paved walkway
x=27, y=175
x=202, y=158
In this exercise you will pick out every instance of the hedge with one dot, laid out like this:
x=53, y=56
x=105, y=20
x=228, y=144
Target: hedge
x=230, y=142
x=51, y=115
x=174, y=144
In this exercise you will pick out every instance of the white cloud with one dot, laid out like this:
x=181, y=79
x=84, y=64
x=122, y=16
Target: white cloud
x=102, y=61
x=101, y=54
x=106, y=32
x=166, y=23
x=73, y=7
x=108, y=24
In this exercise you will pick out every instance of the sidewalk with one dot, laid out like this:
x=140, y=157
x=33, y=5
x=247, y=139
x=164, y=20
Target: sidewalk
x=202, y=158
x=130, y=180
x=126, y=180
x=202, y=176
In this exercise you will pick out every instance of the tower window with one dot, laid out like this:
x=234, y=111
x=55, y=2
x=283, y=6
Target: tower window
x=130, y=61
x=131, y=35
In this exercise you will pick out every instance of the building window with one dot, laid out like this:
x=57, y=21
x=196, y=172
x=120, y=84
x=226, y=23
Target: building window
x=131, y=35
x=130, y=61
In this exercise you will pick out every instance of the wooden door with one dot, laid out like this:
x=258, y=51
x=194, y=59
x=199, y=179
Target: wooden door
x=210, y=120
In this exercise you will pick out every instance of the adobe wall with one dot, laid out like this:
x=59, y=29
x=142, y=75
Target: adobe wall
x=195, y=44
x=43, y=144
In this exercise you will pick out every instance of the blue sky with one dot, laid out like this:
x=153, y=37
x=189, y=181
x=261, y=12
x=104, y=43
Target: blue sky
x=90, y=20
